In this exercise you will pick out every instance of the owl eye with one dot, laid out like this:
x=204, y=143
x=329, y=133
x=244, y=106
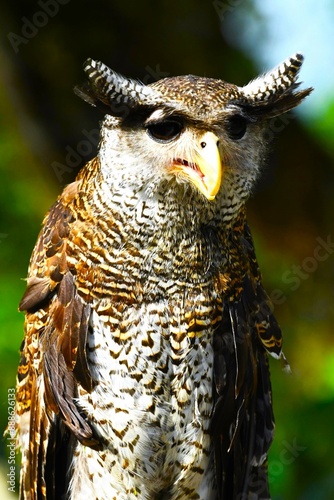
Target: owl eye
x=165, y=131
x=236, y=126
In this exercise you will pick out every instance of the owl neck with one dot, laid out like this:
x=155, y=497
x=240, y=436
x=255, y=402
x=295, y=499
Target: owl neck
x=162, y=227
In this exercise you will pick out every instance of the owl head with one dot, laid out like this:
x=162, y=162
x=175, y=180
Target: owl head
x=189, y=134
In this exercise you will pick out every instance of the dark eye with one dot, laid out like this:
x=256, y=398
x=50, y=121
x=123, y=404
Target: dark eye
x=236, y=126
x=165, y=131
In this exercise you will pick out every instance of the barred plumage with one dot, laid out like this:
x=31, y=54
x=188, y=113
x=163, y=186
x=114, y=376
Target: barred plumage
x=144, y=370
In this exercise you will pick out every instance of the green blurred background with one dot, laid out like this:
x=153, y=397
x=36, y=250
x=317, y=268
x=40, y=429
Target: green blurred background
x=47, y=134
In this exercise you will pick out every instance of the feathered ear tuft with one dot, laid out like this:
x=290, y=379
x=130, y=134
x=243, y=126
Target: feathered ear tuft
x=115, y=92
x=275, y=92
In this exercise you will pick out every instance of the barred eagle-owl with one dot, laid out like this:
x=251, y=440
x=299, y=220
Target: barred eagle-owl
x=144, y=367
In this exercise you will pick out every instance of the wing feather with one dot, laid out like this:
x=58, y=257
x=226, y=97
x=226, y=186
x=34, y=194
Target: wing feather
x=53, y=360
x=243, y=420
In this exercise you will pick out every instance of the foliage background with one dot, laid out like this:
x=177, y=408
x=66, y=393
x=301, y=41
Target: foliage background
x=47, y=133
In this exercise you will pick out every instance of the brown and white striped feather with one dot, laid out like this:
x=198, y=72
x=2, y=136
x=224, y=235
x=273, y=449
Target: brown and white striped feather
x=120, y=380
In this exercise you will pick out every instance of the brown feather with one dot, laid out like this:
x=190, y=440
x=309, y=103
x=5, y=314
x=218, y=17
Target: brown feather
x=38, y=290
x=243, y=422
x=46, y=382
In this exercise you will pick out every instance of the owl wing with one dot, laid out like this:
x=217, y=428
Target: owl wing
x=52, y=361
x=243, y=420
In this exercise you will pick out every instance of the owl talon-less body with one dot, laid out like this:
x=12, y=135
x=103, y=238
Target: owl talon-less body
x=144, y=370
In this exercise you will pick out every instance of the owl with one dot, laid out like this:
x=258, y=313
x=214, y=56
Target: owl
x=144, y=367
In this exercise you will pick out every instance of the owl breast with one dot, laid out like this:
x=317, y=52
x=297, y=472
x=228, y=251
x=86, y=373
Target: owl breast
x=152, y=400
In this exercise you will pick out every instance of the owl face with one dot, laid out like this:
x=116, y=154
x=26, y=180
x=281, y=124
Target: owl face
x=196, y=135
x=209, y=156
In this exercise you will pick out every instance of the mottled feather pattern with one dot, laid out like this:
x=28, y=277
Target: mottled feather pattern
x=113, y=89
x=278, y=81
x=144, y=368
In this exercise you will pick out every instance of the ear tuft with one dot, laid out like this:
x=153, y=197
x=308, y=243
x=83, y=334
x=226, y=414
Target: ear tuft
x=275, y=92
x=114, y=90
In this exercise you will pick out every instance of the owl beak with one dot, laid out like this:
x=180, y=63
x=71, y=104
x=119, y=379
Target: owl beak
x=204, y=169
x=209, y=163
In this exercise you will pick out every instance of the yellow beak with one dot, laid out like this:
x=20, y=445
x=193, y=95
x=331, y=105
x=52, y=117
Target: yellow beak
x=204, y=170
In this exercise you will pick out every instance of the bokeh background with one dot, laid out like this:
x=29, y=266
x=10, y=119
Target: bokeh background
x=47, y=134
